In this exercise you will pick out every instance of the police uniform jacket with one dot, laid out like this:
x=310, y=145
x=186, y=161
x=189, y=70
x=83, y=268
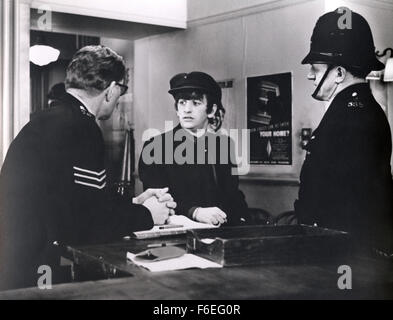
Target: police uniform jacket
x=209, y=183
x=346, y=181
x=53, y=189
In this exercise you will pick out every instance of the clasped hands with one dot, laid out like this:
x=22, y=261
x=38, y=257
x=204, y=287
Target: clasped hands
x=159, y=202
x=161, y=205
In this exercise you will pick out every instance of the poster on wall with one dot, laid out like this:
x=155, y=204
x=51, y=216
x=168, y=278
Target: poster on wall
x=269, y=115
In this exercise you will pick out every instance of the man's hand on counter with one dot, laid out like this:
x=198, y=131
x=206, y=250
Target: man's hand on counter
x=159, y=202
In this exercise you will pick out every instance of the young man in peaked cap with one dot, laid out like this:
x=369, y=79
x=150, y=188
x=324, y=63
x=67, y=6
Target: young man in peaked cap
x=204, y=186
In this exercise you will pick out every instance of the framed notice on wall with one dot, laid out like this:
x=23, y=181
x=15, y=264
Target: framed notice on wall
x=269, y=118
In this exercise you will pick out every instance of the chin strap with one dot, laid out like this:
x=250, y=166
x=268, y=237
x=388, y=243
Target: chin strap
x=320, y=84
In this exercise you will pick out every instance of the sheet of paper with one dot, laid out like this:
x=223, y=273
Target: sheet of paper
x=208, y=241
x=183, y=221
x=188, y=223
x=186, y=261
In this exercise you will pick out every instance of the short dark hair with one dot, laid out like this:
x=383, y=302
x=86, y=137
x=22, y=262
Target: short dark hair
x=93, y=68
x=191, y=94
x=358, y=72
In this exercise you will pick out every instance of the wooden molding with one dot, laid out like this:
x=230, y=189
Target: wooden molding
x=110, y=14
x=271, y=5
x=379, y=4
x=269, y=181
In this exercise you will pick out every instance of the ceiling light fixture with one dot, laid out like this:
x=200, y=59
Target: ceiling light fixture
x=43, y=55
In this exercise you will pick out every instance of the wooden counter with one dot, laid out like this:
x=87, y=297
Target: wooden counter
x=123, y=280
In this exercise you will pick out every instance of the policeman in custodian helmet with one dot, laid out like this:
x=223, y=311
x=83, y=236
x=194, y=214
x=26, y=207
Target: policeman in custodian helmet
x=346, y=180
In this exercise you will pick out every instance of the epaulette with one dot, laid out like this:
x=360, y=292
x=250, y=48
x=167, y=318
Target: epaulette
x=85, y=112
x=354, y=101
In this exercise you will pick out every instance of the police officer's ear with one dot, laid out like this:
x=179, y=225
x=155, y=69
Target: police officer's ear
x=110, y=91
x=213, y=112
x=341, y=74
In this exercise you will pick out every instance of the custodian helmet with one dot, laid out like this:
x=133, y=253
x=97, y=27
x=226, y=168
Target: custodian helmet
x=351, y=45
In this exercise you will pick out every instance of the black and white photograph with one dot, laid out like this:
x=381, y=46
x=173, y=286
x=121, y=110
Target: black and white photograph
x=197, y=156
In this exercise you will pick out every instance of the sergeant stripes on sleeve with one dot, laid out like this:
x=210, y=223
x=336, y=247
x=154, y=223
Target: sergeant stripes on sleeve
x=90, y=178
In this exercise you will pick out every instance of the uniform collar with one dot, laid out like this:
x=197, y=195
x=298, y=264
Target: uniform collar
x=353, y=89
x=81, y=105
x=352, y=96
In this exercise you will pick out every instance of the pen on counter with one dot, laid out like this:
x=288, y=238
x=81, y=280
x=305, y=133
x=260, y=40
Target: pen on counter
x=170, y=226
x=163, y=244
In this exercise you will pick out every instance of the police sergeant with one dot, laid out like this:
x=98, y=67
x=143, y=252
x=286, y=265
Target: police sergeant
x=53, y=181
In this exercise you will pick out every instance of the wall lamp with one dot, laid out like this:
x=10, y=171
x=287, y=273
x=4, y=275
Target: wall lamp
x=42, y=55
